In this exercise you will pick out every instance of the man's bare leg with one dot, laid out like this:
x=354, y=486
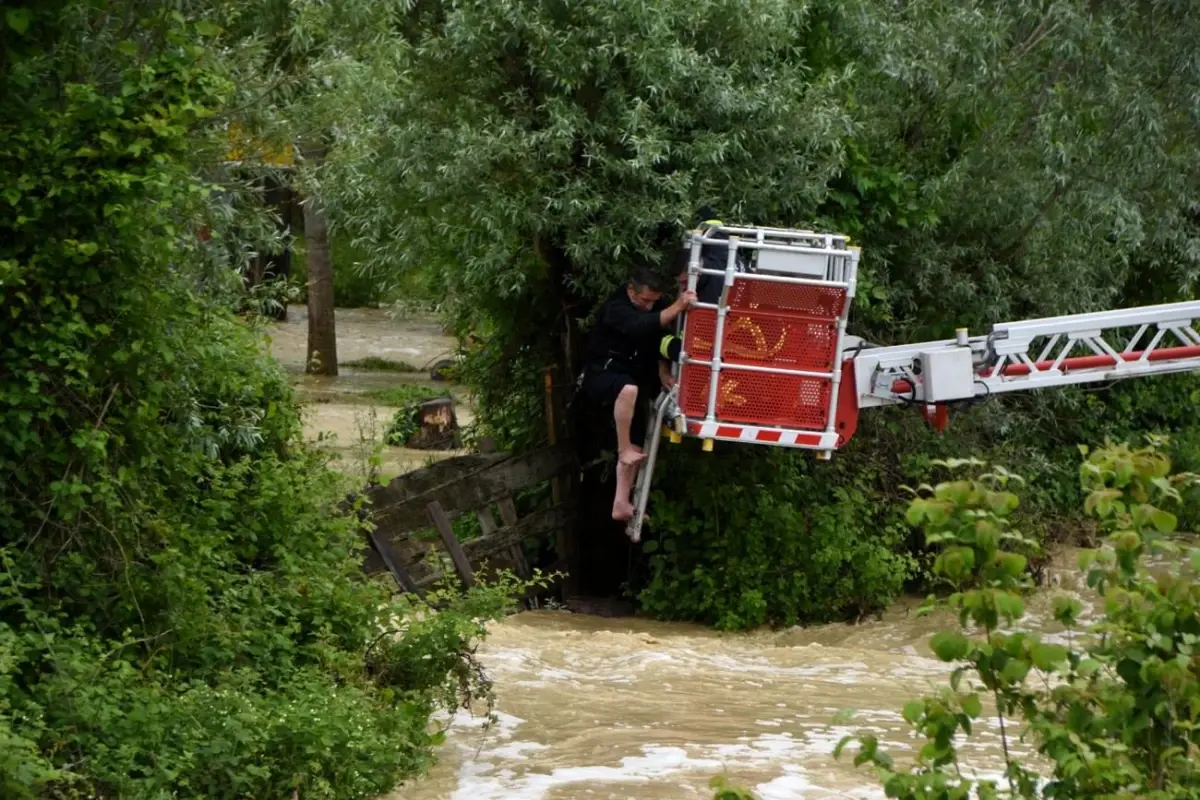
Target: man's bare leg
x=623, y=411
x=622, y=509
x=632, y=473
x=629, y=456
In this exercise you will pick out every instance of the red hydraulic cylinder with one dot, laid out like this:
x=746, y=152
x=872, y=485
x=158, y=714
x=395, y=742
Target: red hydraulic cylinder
x=1078, y=363
x=1092, y=362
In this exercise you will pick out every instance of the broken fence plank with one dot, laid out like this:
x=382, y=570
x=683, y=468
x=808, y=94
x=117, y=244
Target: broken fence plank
x=508, y=515
x=488, y=527
x=486, y=523
x=479, y=488
x=517, y=553
x=508, y=511
x=440, y=521
x=384, y=548
x=535, y=524
x=425, y=479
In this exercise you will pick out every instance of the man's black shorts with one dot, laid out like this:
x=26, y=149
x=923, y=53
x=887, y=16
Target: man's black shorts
x=602, y=388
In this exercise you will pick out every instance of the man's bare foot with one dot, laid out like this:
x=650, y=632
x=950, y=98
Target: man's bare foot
x=622, y=510
x=631, y=457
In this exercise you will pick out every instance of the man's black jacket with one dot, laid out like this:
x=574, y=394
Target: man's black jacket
x=626, y=338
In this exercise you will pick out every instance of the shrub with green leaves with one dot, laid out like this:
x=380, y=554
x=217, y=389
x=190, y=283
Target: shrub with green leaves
x=727, y=791
x=1114, y=715
x=183, y=611
x=749, y=536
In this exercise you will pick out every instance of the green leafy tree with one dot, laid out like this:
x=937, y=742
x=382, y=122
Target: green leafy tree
x=304, y=71
x=531, y=151
x=1018, y=159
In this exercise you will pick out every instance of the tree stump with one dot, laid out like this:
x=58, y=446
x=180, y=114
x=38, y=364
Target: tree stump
x=436, y=426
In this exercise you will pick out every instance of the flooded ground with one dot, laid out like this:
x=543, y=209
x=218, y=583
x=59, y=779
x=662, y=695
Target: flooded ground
x=632, y=709
x=340, y=411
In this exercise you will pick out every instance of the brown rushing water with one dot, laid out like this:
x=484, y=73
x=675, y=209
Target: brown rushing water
x=633, y=709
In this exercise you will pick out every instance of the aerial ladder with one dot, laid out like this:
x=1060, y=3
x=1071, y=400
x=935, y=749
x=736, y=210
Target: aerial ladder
x=771, y=362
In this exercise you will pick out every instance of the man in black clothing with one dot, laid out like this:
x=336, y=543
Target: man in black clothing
x=623, y=367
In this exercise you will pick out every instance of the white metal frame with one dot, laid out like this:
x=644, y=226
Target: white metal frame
x=841, y=272
x=1042, y=353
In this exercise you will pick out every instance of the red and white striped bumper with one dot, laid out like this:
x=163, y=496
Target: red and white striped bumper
x=780, y=437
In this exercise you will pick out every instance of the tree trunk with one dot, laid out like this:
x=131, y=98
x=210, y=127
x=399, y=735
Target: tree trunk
x=597, y=551
x=322, y=333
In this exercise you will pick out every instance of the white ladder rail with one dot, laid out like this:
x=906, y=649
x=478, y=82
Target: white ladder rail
x=646, y=475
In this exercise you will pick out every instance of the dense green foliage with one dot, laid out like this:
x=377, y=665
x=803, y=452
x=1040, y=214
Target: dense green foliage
x=1039, y=158
x=743, y=537
x=182, y=607
x=995, y=161
x=1113, y=710
x=771, y=545
x=355, y=287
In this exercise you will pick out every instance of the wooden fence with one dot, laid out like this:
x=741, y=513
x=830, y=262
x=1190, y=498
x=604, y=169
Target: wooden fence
x=432, y=497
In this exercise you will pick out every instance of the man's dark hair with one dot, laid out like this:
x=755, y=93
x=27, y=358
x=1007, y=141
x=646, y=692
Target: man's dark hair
x=644, y=277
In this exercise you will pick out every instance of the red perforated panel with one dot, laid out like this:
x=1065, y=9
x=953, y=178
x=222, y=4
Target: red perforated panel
x=757, y=397
x=768, y=325
x=693, y=390
x=788, y=341
x=822, y=302
x=701, y=328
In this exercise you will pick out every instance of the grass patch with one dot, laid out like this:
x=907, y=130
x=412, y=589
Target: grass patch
x=377, y=364
x=466, y=527
x=405, y=394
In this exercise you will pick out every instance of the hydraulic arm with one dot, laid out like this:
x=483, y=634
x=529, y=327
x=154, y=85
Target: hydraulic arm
x=771, y=363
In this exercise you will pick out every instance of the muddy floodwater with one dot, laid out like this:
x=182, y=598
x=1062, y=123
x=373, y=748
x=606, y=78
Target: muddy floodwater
x=341, y=411
x=632, y=710
x=628, y=709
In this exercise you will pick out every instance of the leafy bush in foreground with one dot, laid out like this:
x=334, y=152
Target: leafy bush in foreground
x=1114, y=712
